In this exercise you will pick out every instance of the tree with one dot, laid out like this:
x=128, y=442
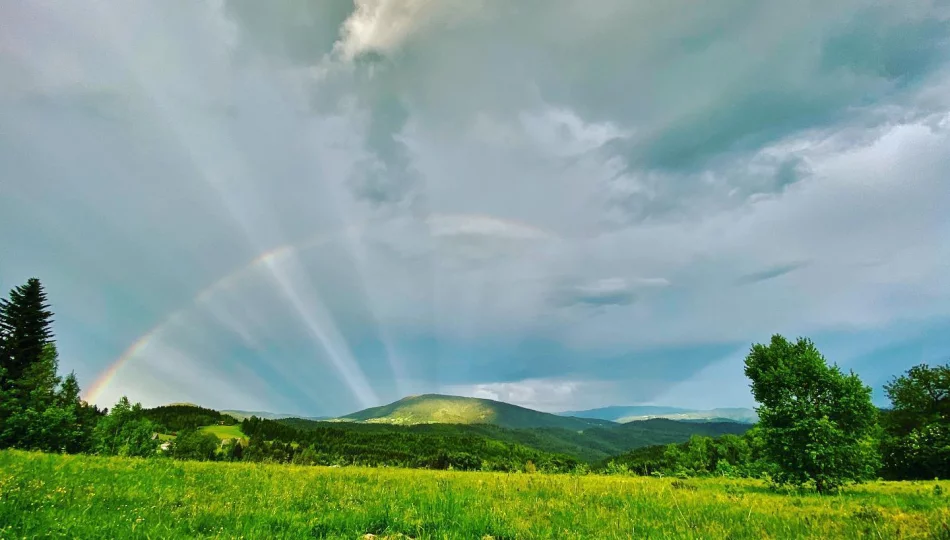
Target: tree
x=195, y=445
x=920, y=397
x=917, y=427
x=125, y=432
x=698, y=454
x=817, y=423
x=25, y=324
x=24, y=335
x=34, y=421
x=85, y=416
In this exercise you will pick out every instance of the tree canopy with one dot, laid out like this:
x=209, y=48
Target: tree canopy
x=916, y=442
x=818, y=424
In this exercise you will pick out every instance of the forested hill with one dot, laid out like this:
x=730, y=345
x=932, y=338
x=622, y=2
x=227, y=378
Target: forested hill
x=441, y=409
x=425, y=444
x=593, y=444
x=180, y=417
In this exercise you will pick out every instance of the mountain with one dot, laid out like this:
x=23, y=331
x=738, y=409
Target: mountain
x=615, y=412
x=440, y=409
x=734, y=414
x=417, y=430
x=632, y=413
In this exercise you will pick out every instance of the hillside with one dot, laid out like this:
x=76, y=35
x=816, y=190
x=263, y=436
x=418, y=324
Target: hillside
x=411, y=429
x=594, y=444
x=177, y=417
x=440, y=409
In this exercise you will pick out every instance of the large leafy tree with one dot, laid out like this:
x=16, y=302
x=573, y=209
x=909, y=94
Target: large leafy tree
x=196, y=445
x=917, y=427
x=817, y=423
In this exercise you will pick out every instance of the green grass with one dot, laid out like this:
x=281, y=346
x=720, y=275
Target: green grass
x=43, y=495
x=224, y=432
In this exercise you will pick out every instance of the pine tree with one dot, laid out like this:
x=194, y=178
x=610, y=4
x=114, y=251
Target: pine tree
x=25, y=324
x=38, y=410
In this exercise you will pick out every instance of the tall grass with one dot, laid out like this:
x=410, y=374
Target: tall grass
x=43, y=495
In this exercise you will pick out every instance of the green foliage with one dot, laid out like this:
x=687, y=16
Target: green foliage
x=125, y=432
x=432, y=447
x=25, y=322
x=729, y=455
x=591, y=445
x=38, y=409
x=56, y=496
x=174, y=418
x=916, y=441
x=196, y=445
x=818, y=424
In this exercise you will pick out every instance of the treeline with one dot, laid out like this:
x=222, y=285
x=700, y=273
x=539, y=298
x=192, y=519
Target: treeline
x=326, y=444
x=589, y=446
x=818, y=427
x=730, y=455
x=175, y=418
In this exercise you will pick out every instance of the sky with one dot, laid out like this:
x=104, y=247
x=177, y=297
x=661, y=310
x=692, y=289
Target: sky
x=312, y=207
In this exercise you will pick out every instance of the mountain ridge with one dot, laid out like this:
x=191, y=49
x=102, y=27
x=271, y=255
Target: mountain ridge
x=448, y=409
x=630, y=413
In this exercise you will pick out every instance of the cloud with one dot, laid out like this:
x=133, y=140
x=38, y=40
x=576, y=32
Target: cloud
x=770, y=273
x=539, y=394
x=613, y=291
x=345, y=199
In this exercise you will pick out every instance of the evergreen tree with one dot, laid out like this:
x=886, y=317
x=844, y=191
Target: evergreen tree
x=84, y=416
x=25, y=324
x=34, y=420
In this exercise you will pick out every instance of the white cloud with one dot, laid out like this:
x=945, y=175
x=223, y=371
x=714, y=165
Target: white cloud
x=551, y=395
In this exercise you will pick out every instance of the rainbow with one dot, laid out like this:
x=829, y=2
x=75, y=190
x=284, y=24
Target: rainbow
x=441, y=223
x=94, y=393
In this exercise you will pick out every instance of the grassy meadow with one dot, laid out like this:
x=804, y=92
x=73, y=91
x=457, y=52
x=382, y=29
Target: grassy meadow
x=224, y=432
x=76, y=496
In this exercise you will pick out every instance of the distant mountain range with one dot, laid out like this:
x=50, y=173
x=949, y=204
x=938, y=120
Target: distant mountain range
x=444, y=409
x=632, y=413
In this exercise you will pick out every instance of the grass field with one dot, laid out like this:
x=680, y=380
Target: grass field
x=224, y=432
x=44, y=495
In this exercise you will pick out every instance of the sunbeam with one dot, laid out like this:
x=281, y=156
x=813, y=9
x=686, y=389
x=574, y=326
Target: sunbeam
x=333, y=204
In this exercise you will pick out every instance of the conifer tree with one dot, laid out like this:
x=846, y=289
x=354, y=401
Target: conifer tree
x=25, y=324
